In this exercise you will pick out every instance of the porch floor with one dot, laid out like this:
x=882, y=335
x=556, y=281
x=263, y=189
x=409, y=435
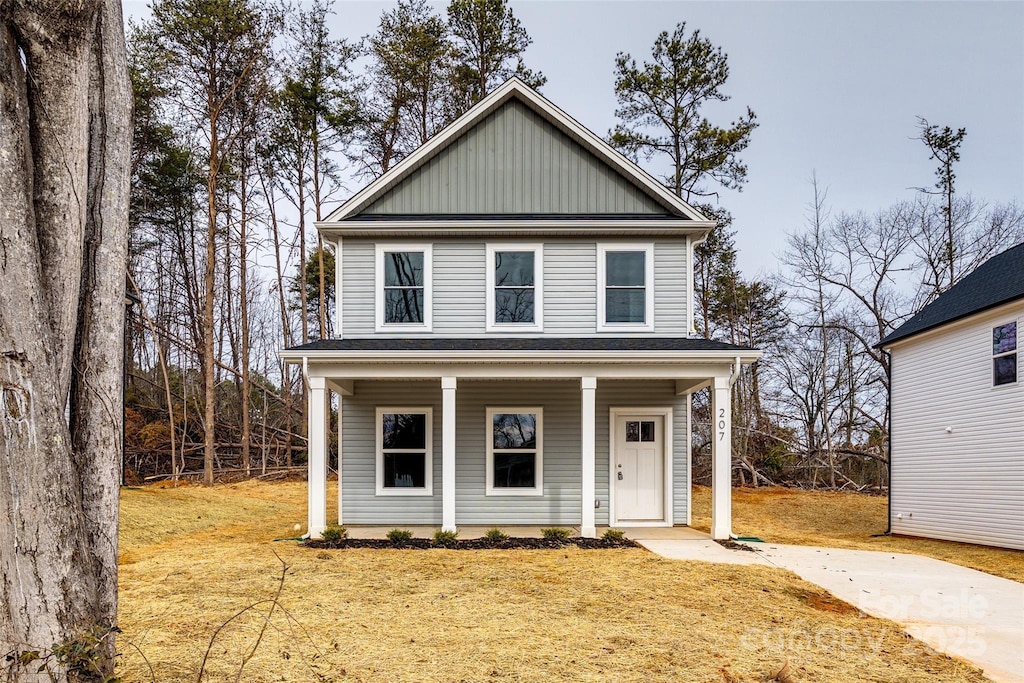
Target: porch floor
x=677, y=533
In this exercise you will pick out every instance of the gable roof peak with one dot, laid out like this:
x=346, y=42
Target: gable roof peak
x=516, y=88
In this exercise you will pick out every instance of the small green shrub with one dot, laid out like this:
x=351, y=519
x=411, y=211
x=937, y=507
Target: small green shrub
x=496, y=535
x=556, y=533
x=445, y=539
x=334, y=533
x=397, y=536
x=613, y=535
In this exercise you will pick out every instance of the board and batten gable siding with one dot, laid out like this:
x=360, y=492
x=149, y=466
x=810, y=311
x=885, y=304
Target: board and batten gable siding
x=460, y=290
x=515, y=162
x=561, y=404
x=968, y=484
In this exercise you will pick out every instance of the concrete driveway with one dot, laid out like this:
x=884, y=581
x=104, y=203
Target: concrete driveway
x=962, y=612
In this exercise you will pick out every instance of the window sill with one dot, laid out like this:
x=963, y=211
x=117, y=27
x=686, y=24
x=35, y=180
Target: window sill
x=404, y=492
x=514, y=492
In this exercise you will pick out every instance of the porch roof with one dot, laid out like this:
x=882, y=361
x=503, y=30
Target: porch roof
x=540, y=344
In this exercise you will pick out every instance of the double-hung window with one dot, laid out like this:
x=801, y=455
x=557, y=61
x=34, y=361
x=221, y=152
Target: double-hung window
x=404, y=452
x=515, y=287
x=1004, y=354
x=625, y=281
x=403, y=287
x=515, y=459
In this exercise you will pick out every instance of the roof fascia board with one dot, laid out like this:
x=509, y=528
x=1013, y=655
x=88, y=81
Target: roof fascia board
x=498, y=357
x=566, y=123
x=526, y=226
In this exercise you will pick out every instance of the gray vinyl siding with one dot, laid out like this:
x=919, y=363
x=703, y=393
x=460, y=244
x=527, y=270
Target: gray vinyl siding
x=560, y=503
x=360, y=502
x=626, y=394
x=560, y=401
x=459, y=288
x=515, y=162
x=670, y=288
x=968, y=484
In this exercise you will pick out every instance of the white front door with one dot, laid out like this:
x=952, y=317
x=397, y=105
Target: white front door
x=639, y=468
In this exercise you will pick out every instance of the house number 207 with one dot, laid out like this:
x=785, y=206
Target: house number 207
x=721, y=424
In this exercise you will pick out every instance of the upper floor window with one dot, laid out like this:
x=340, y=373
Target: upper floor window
x=1004, y=354
x=403, y=287
x=625, y=283
x=515, y=276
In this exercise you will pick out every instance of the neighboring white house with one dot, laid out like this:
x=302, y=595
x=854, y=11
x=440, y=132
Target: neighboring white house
x=514, y=336
x=957, y=421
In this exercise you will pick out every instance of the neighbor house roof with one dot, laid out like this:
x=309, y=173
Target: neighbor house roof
x=998, y=281
x=515, y=90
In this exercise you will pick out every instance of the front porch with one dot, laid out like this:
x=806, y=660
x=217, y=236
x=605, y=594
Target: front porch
x=422, y=440
x=675, y=533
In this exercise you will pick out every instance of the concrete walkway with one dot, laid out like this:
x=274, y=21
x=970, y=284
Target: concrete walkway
x=962, y=612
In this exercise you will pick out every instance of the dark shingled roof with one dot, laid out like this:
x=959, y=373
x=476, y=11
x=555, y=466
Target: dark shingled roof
x=639, y=344
x=997, y=281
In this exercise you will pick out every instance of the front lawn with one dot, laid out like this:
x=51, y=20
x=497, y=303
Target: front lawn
x=195, y=558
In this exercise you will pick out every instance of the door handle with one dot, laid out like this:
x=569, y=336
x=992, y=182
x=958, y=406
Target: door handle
x=620, y=476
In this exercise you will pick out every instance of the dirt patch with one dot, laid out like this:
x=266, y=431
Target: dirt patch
x=733, y=545
x=825, y=602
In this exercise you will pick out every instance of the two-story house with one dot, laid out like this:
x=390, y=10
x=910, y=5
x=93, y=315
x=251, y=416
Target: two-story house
x=515, y=337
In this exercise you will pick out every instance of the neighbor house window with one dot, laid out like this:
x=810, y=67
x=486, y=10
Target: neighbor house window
x=1004, y=354
x=515, y=277
x=625, y=297
x=404, y=452
x=403, y=287
x=515, y=462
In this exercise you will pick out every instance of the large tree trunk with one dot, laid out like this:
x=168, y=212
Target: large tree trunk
x=65, y=133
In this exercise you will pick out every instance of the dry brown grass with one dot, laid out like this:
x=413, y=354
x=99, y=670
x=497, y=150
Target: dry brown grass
x=842, y=520
x=194, y=557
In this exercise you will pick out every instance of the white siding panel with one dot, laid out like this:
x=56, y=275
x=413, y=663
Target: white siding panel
x=966, y=485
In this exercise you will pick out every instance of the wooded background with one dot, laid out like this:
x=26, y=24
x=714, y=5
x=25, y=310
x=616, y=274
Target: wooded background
x=252, y=120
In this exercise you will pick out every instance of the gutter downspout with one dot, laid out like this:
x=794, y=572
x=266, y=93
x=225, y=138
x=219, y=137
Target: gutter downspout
x=734, y=374
x=888, y=443
x=692, y=332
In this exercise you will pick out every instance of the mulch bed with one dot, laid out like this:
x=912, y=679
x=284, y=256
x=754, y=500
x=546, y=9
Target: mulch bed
x=474, y=544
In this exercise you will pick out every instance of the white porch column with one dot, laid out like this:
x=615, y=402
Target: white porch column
x=588, y=415
x=448, y=385
x=316, y=435
x=341, y=404
x=721, y=459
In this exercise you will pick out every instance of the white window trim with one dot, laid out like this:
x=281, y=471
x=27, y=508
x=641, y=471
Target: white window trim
x=538, y=287
x=537, y=490
x=648, y=249
x=378, y=294
x=1015, y=352
x=428, y=489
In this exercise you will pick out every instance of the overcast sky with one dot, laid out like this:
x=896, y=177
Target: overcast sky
x=836, y=87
